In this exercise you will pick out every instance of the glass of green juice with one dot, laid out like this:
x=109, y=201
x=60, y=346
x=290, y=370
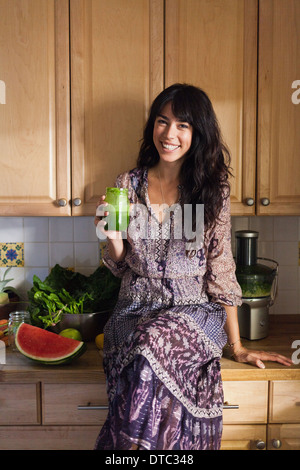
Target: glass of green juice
x=118, y=217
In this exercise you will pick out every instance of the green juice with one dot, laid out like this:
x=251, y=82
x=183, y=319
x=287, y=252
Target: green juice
x=119, y=221
x=118, y=217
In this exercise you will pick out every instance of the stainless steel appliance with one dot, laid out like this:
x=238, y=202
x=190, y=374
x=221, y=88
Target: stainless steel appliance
x=258, y=280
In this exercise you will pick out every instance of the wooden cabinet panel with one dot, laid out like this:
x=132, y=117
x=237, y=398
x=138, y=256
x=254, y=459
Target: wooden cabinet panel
x=48, y=437
x=285, y=402
x=284, y=437
x=244, y=437
x=61, y=402
x=19, y=404
x=34, y=121
x=212, y=44
x=278, y=117
x=116, y=71
x=252, y=401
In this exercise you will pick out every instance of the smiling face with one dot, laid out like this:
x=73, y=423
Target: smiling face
x=171, y=136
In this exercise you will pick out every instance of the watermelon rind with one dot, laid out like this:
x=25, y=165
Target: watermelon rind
x=28, y=336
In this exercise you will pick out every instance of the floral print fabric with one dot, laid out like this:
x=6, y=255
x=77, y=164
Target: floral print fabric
x=164, y=340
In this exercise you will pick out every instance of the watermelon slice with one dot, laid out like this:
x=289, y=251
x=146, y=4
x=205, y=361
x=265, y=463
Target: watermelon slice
x=46, y=347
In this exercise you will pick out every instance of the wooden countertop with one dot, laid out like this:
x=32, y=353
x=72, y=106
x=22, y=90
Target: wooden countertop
x=86, y=369
x=284, y=329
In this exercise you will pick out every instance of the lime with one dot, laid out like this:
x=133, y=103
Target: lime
x=99, y=340
x=71, y=333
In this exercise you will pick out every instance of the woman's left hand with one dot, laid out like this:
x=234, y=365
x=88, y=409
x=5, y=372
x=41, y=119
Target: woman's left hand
x=256, y=358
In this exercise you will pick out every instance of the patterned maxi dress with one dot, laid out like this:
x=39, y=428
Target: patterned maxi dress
x=164, y=340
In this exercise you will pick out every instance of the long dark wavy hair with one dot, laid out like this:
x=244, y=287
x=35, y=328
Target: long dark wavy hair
x=206, y=167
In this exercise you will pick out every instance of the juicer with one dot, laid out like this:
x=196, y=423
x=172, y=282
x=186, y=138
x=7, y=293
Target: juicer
x=258, y=278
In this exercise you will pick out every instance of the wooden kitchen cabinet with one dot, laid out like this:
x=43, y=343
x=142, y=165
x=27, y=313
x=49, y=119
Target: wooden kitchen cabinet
x=52, y=407
x=20, y=404
x=114, y=51
x=35, y=119
x=263, y=405
x=213, y=45
x=278, y=139
x=245, y=415
x=246, y=55
x=254, y=407
x=244, y=437
x=116, y=71
x=80, y=76
x=284, y=409
x=284, y=437
x=284, y=402
x=57, y=407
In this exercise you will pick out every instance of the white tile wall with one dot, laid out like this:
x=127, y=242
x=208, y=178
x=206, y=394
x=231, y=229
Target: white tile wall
x=72, y=242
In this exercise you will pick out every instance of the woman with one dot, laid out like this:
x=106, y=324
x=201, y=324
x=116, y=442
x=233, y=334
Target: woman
x=178, y=301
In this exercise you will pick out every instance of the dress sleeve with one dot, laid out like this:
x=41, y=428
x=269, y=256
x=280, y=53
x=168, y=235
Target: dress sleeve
x=220, y=279
x=117, y=268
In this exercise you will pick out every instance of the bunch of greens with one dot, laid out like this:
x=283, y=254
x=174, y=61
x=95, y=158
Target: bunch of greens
x=65, y=291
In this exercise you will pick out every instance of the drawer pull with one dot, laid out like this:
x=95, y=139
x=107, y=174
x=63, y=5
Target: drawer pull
x=92, y=407
x=227, y=406
x=276, y=443
x=260, y=444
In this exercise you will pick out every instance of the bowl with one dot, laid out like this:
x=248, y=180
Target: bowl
x=89, y=324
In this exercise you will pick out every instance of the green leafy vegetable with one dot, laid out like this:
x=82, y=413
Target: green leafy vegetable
x=65, y=291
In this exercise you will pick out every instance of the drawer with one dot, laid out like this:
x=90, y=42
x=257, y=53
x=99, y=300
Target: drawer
x=74, y=403
x=285, y=401
x=251, y=400
x=20, y=404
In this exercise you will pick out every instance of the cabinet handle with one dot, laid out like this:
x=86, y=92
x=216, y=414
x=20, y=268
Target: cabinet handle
x=260, y=444
x=92, y=407
x=265, y=201
x=62, y=202
x=227, y=406
x=276, y=443
x=249, y=201
x=77, y=201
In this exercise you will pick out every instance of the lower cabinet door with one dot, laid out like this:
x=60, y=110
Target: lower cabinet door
x=284, y=401
x=244, y=437
x=48, y=437
x=284, y=436
x=20, y=404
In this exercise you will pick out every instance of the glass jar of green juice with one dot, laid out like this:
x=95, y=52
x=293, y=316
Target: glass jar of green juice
x=118, y=217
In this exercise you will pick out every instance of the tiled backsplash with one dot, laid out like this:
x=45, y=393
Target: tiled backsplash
x=32, y=245
x=68, y=241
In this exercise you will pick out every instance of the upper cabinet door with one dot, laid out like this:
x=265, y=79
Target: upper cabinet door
x=279, y=108
x=213, y=44
x=34, y=108
x=116, y=71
